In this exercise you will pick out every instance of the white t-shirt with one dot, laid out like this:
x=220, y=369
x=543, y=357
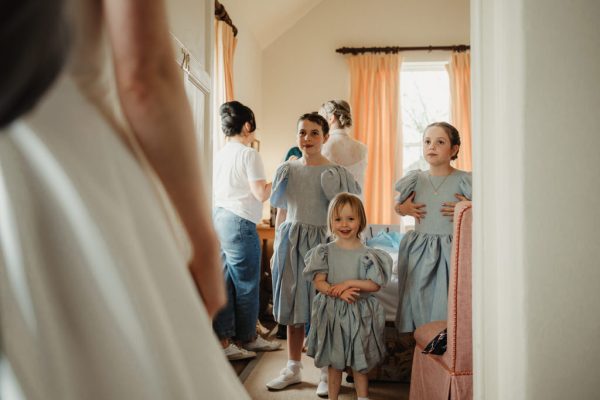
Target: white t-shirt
x=235, y=166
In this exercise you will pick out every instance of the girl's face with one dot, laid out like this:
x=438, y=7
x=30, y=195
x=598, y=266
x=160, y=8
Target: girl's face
x=310, y=137
x=345, y=223
x=437, y=149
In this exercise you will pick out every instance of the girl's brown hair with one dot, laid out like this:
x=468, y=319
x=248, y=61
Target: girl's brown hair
x=339, y=201
x=452, y=133
x=314, y=117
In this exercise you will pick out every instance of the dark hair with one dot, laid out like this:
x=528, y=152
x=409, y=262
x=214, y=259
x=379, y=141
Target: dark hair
x=34, y=43
x=233, y=117
x=336, y=205
x=452, y=133
x=317, y=119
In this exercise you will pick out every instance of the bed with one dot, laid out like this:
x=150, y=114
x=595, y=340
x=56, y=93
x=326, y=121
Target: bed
x=387, y=238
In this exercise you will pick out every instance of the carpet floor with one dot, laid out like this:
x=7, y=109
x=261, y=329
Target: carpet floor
x=267, y=365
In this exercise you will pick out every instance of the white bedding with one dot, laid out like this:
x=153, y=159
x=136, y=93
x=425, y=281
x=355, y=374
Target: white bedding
x=388, y=295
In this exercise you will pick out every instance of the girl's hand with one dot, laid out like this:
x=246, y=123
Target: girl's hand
x=448, y=207
x=336, y=290
x=416, y=210
x=350, y=295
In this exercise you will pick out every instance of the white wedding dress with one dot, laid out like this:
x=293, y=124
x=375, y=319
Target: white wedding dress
x=96, y=301
x=343, y=150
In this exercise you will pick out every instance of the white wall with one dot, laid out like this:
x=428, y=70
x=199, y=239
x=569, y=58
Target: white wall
x=301, y=69
x=562, y=192
x=187, y=22
x=536, y=261
x=247, y=75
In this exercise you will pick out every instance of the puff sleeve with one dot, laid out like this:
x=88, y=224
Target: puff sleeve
x=316, y=262
x=278, y=191
x=337, y=180
x=376, y=265
x=465, y=185
x=406, y=185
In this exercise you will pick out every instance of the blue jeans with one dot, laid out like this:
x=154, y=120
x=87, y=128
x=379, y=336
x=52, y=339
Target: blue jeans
x=240, y=252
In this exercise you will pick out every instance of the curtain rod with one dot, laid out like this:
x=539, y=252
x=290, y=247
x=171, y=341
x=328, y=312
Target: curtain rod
x=359, y=50
x=221, y=15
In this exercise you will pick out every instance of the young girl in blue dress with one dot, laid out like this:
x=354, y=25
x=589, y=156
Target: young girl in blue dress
x=301, y=192
x=347, y=321
x=424, y=255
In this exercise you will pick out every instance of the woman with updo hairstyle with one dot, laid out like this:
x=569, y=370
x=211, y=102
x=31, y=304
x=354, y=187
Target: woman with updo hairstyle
x=240, y=188
x=341, y=148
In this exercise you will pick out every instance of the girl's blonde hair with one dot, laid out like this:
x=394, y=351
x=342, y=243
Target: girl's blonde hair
x=340, y=109
x=339, y=201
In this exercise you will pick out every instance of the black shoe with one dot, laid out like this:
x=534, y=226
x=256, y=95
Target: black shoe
x=281, y=332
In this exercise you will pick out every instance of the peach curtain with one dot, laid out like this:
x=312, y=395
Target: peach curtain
x=459, y=71
x=374, y=97
x=225, y=43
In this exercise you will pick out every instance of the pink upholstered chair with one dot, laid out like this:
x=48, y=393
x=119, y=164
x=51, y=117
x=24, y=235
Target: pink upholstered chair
x=449, y=376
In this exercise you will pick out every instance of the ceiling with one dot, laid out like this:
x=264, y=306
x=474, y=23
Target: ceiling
x=267, y=19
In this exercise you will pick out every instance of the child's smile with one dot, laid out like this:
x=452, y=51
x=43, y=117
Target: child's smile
x=345, y=224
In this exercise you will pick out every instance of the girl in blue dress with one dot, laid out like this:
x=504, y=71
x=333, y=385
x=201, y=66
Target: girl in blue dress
x=424, y=255
x=347, y=320
x=301, y=192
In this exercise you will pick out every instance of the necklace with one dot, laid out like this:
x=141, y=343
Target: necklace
x=435, y=189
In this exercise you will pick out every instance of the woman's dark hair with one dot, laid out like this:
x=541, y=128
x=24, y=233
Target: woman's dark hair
x=317, y=119
x=233, y=117
x=34, y=42
x=452, y=133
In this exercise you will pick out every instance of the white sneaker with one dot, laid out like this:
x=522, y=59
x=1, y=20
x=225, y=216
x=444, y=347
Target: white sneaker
x=323, y=387
x=260, y=344
x=235, y=353
x=286, y=378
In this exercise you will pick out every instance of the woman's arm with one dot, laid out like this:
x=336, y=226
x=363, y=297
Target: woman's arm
x=261, y=190
x=152, y=96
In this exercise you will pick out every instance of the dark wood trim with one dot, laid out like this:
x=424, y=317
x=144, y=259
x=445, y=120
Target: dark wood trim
x=396, y=49
x=221, y=15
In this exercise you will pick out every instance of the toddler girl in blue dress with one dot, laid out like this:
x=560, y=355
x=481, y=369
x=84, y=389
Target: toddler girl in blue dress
x=424, y=255
x=301, y=192
x=347, y=321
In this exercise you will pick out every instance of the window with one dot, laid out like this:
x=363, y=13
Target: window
x=425, y=98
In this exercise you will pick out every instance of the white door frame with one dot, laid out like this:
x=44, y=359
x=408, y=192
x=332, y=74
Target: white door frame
x=499, y=325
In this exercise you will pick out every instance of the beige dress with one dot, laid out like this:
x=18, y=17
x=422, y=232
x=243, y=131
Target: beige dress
x=96, y=301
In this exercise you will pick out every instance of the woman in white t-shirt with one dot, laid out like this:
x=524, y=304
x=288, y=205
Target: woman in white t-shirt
x=240, y=188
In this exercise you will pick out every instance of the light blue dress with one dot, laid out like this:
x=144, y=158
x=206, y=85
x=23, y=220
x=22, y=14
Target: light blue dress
x=424, y=255
x=347, y=335
x=305, y=191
